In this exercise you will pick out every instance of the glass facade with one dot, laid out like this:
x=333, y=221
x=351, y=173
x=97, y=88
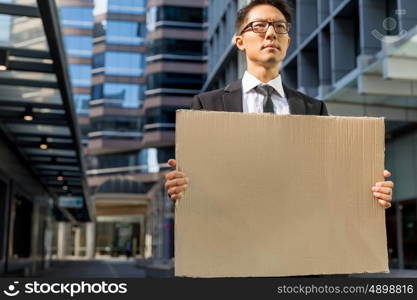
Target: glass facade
x=179, y=14
x=121, y=94
x=150, y=157
x=82, y=102
x=125, y=32
x=175, y=81
x=185, y=49
x=80, y=75
x=127, y=6
x=160, y=115
x=116, y=123
x=125, y=63
x=119, y=65
x=78, y=17
x=77, y=23
x=79, y=45
x=170, y=46
x=175, y=16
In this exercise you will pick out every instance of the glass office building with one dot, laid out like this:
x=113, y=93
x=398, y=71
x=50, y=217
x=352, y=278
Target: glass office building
x=118, y=86
x=360, y=57
x=120, y=171
x=176, y=68
x=77, y=27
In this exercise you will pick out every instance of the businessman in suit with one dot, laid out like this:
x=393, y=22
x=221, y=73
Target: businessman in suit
x=262, y=33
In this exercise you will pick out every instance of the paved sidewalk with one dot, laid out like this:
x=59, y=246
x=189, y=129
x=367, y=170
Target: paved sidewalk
x=119, y=268
x=107, y=268
x=394, y=273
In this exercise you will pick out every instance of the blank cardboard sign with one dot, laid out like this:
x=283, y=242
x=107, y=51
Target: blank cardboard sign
x=273, y=195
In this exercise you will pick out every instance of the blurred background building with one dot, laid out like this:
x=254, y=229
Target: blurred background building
x=359, y=56
x=129, y=64
x=116, y=119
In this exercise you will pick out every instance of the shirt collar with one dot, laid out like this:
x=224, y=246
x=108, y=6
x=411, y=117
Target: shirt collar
x=249, y=82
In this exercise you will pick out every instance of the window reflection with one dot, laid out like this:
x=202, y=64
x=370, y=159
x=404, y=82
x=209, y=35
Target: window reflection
x=121, y=94
x=149, y=157
x=79, y=17
x=161, y=115
x=81, y=46
x=125, y=32
x=123, y=63
x=82, y=102
x=175, y=46
x=175, y=81
x=122, y=123
x=174, y=14
x=127, y=6
x=80, y=75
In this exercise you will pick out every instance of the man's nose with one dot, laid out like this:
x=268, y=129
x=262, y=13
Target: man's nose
x=270, y=33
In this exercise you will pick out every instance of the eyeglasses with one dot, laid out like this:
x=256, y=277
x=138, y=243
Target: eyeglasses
x=280, y=27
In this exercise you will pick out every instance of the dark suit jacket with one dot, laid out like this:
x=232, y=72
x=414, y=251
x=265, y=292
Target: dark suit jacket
x=230, y=99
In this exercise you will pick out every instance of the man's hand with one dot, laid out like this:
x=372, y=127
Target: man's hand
x=383, y=191
x=176, y=183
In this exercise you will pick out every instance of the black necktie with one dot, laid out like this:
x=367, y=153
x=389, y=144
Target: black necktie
x=266, y=90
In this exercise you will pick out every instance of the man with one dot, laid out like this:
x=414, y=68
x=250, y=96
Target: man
x=262, y=33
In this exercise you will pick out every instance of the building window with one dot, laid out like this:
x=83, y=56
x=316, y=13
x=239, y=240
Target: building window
x=116, y=123
x=174, y=14
x=180, y=14
x=125, y=32
x=150, y=157
x=123, y=63
x=161, y=115
x=98, y=60
x=175, y=46
x=120, y=94
x=127, y=6
x=80, y=46
x=82, y=102
x=175, y=81
x=79, y=17
x=80, y=75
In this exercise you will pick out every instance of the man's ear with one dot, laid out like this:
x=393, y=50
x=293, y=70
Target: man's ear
x=238, y=41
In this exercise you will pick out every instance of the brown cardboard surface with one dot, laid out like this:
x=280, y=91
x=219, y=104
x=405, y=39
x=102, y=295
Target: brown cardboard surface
x=273, y=195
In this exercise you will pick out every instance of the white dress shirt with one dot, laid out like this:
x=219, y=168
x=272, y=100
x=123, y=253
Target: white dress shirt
x=253, y=102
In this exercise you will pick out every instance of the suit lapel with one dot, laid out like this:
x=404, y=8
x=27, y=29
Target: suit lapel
x=295, y=103
x=232, y=97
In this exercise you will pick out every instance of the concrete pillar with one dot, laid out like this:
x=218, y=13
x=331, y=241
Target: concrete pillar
x=407, y=14
x=306, y=16
x=323, y=10
x=64, y=237
x=372, y=14
x=325, y=68
x=142, y=236
x=77, y=241
x=342, y=46
x=400, y=248
x=90, y=239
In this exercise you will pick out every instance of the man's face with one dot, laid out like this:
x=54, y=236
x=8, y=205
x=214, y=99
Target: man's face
x=269, y=48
